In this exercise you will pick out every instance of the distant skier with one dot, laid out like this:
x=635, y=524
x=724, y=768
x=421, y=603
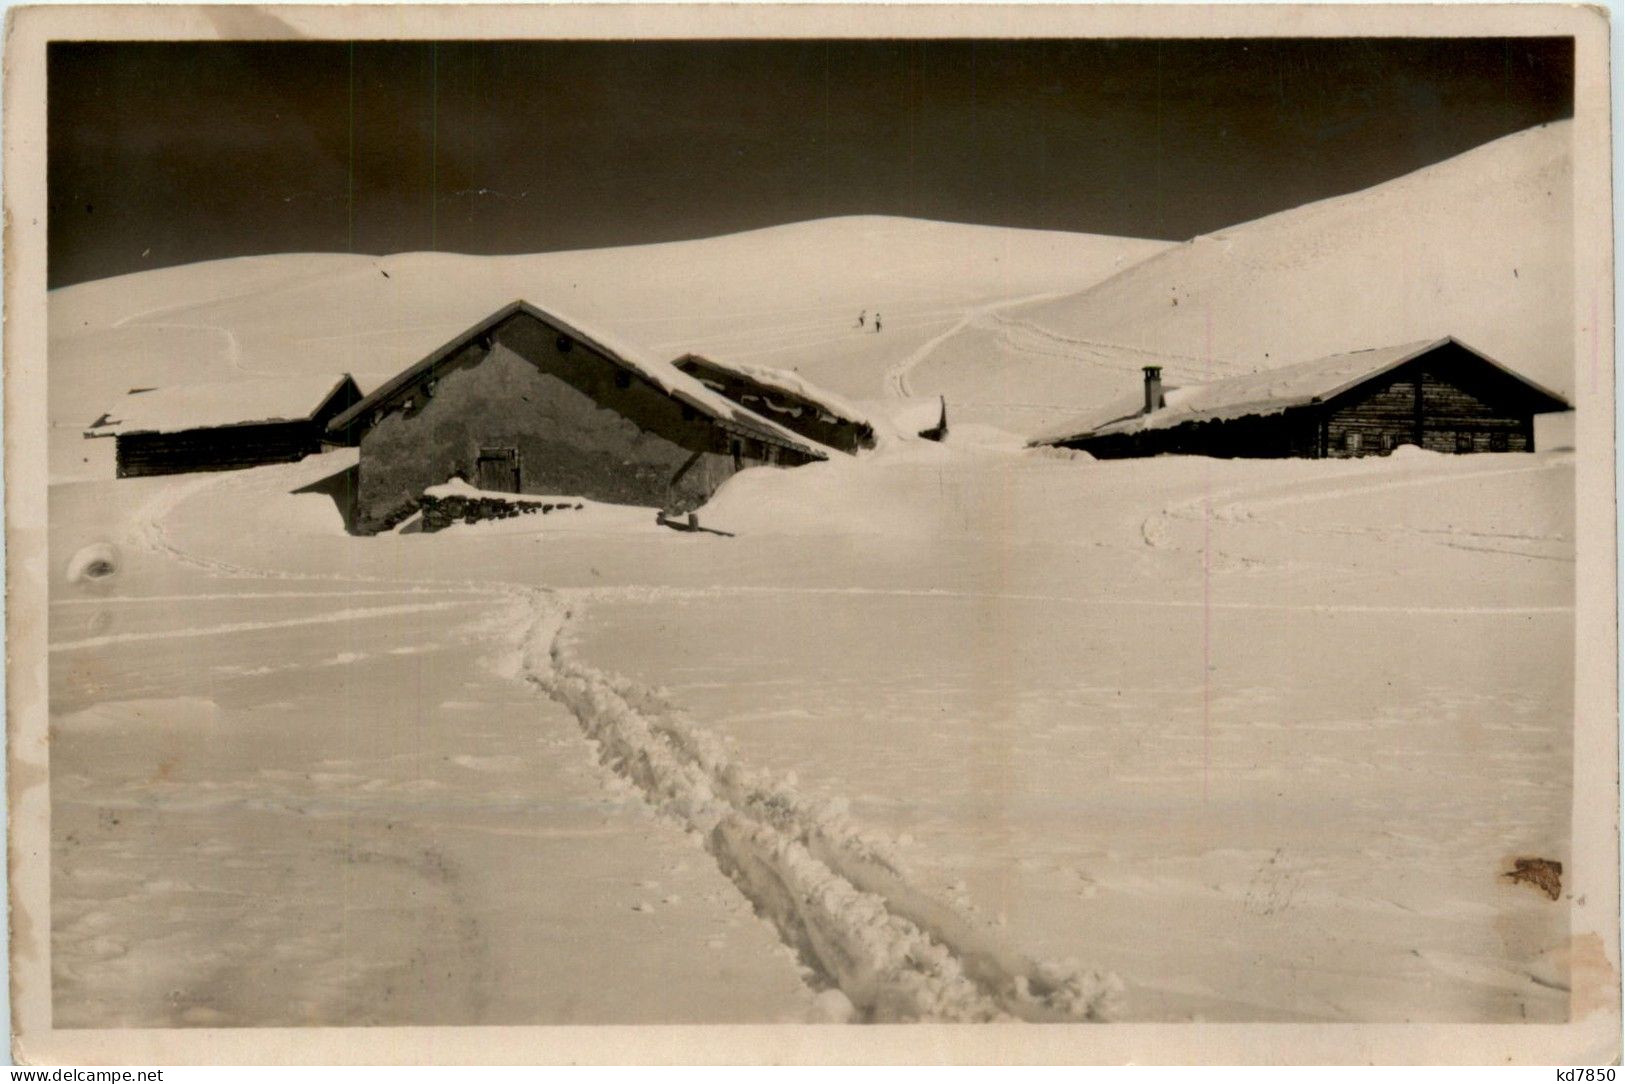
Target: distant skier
x=861, y=316
x=877, y=323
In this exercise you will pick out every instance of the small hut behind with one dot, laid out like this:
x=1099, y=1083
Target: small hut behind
x=1441, y=395
x=223, y=426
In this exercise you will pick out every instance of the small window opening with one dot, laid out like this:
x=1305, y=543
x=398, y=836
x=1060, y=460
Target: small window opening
x=1498, y=442
x=1464, y=442
x=564, y=343
x=623, y=379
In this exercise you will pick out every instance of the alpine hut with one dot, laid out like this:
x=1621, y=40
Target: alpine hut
x=787, y=399
x=526, y=401
x=223, y=426
x=1440, y=395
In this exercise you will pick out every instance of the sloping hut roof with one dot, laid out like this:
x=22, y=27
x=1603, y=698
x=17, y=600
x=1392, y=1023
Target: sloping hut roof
x=630, y=356
x=1269, y=392
x=781, y=380
x=259, y=401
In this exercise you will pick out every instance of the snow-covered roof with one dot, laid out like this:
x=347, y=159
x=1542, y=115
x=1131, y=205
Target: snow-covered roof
x=908, y=415
x=1118, y=409
x=212, y=405
x=629, y=355
x=1267, y=392
x=367, y=383
x=787, y=382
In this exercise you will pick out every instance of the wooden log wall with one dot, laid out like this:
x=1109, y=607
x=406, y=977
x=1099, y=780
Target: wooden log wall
x=227, y=448
x=1424, y=406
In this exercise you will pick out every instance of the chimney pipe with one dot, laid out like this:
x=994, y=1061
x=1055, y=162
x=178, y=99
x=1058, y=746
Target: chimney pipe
x=1153, y=388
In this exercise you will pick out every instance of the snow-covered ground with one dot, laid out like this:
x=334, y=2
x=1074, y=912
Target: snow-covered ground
x=293, y=799
x=950, y=732
x=977, y=732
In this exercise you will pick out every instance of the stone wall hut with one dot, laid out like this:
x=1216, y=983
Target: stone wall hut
x=1441, y=395
x=787, y=399
x=223, y=426
x=526, y=401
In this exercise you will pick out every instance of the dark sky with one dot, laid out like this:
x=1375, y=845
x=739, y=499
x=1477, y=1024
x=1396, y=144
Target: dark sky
x=169, y=153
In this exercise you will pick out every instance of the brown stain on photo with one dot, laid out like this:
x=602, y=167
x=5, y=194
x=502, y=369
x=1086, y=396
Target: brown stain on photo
x=1544, y=873
x=1593, y=979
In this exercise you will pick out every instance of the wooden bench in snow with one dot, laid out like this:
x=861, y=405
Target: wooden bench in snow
x=223, y=426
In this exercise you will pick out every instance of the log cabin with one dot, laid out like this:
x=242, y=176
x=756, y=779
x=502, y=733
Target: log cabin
x=1441, y=395
x=223, y=426
x=528, y=401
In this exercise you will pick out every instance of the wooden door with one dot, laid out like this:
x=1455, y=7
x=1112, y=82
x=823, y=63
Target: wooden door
x=497, y=470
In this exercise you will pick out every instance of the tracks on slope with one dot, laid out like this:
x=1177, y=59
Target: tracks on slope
x=896, y=380
x=1243, y=503
x=831, y=891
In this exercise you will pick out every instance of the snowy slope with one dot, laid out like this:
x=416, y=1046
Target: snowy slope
x=781, y=296
x=1478, y=246
x=236, y=402
x=936, y=720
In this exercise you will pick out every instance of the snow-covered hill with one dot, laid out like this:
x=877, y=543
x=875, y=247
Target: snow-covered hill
x=1479, y=246
x=1017, y=327
x=786, y=297
x=788, y=291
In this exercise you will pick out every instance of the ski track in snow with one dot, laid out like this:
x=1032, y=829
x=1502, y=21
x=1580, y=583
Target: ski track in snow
x=219, y=596
x=654, y=592
x=896, y=379
x=259, y=295
x=832, y=892
x=1240, y=504
x=234, y=350
x=1023, y=337
x=354, y=614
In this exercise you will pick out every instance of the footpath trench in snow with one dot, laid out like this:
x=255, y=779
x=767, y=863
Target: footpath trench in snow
x=831, y=890
x=449, y=854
